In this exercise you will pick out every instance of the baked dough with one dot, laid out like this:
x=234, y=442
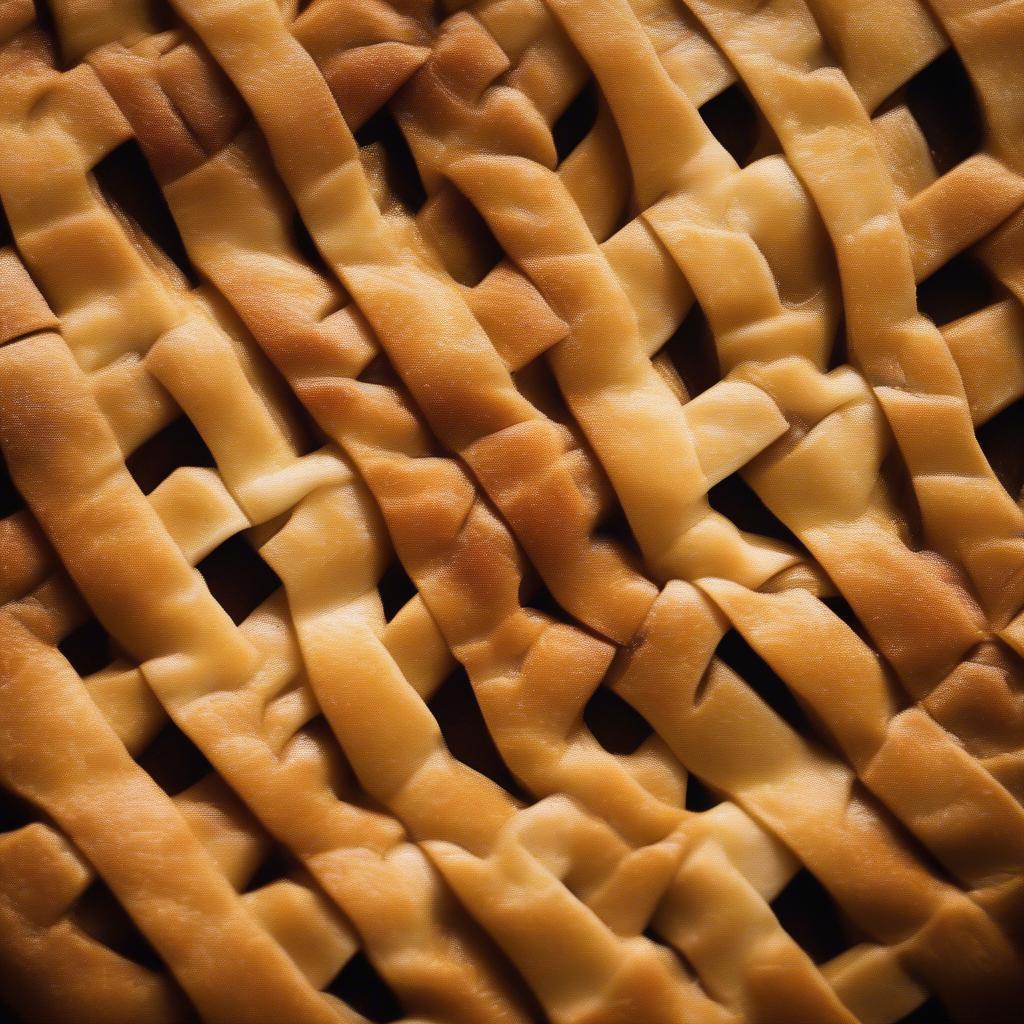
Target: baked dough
x=485, y=546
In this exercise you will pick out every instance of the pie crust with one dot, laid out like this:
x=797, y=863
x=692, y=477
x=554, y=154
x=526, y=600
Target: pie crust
x=512, y=511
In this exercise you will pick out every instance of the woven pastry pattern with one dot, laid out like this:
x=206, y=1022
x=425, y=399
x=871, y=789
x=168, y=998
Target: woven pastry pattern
x=491, y=536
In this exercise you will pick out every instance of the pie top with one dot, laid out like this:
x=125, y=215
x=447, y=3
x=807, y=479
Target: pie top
x=512, y=511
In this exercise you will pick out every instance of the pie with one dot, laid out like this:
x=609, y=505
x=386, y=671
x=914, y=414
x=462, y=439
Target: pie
x=510, y=511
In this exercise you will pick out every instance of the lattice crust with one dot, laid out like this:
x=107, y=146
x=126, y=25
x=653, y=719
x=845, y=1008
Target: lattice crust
x=511, y=511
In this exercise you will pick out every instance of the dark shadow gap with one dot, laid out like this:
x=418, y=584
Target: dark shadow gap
x=99, y=914
x=576, y=121
x=732, y=118
x=308, y=435
x=178, y=444
x=11, y=500
x=396, y=589
x=652, y=935
x=403, y=176
x=173, y=761
x=929, y=1012
x=897, y=479
x=957, y=288
x=278, y=864
x=615, y=527
x=238, y=577
x=46, y=24
x=6, y=235
x=126, y=179
x=360, y=985
x=807, y=912
x=379, y=371
x=840, y=607
x=759, y=676
x=735, y=499
x=87, y=648
x=15, y=811
x=1000, y=440
x=840, y=354
x=462, y=724
x=942, y=100
x=692, y=351
x=616, y=725
x=308, y=249
x=535, y=595
x=698, y=796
